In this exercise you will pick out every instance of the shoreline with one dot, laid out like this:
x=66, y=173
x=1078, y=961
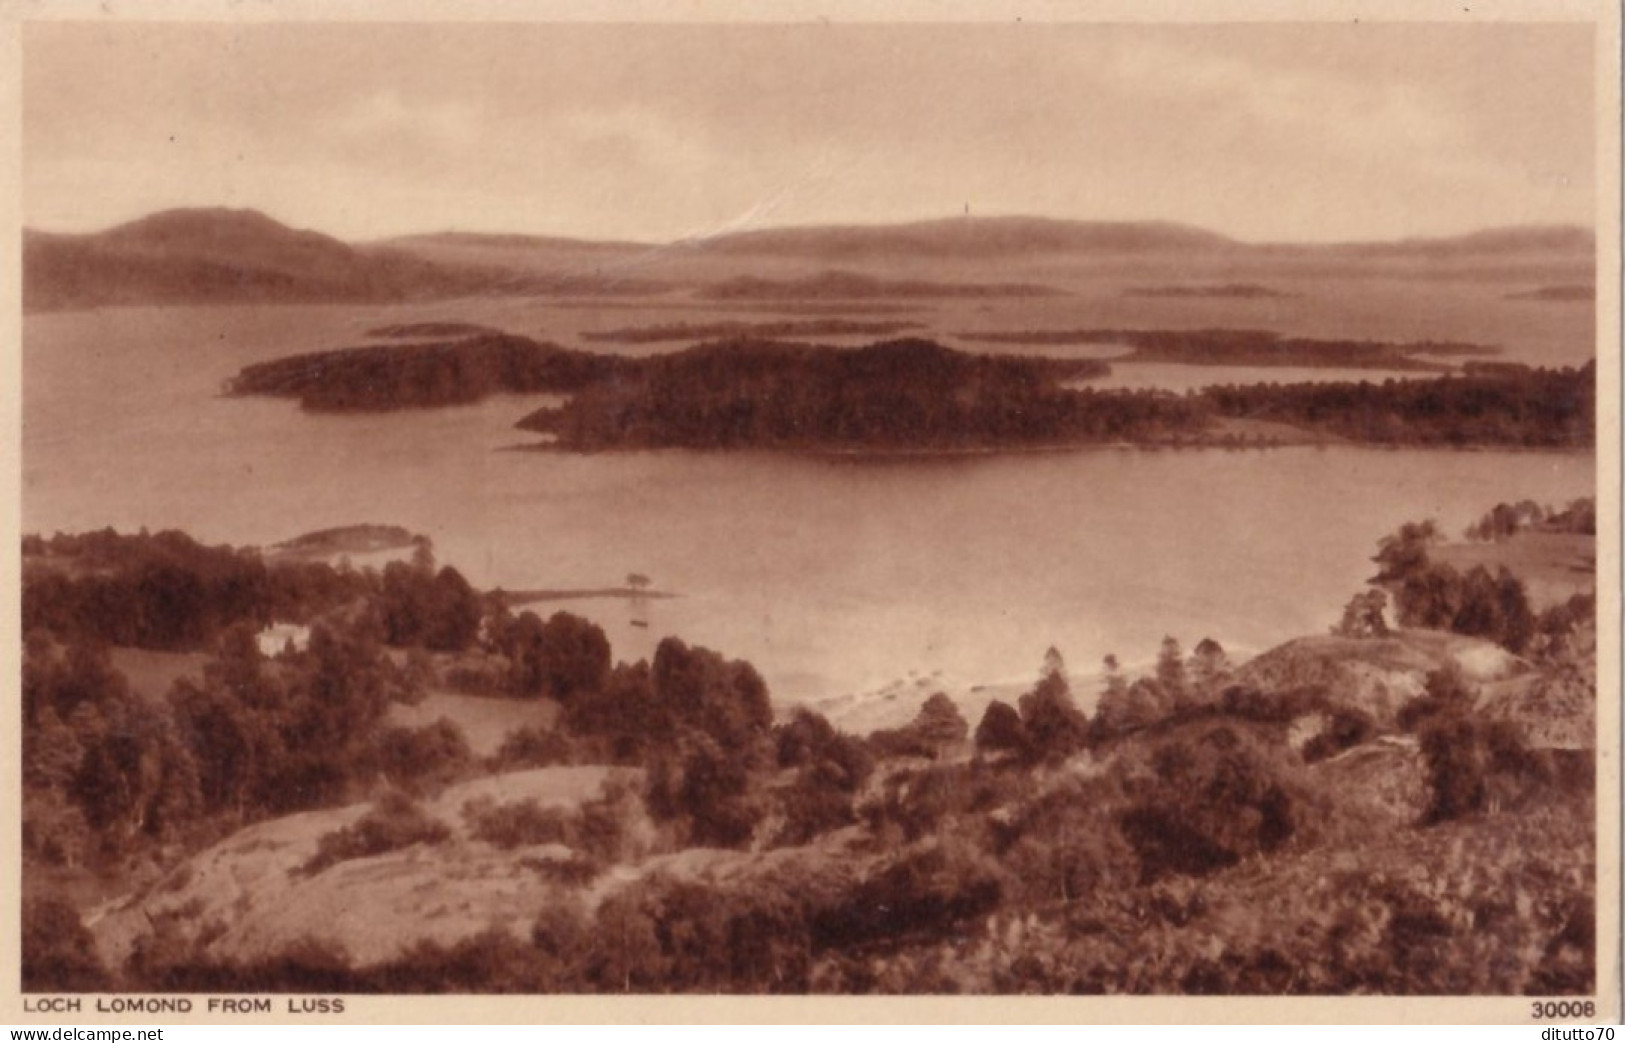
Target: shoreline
x=1234, y=443
x=515, y=598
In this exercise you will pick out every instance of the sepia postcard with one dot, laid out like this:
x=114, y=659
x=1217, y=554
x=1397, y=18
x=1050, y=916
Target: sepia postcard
x=1085, y=512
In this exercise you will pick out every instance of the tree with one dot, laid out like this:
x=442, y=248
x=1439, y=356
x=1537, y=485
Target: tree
x=1053, y=723
x=135, y=777
x=725, y=699
x=1137, y=706
x=1054, y=665
x=1171, y=671
x=715, y=796
x=1001, y=729
x=1114, y=684
x=1209, y=669
x=1363, y=616
x=454, y=612
x=1403, y=552
x=939, y=722
x=403, y=602
x=234, y=746
x=1517, y=619
x=51, y=753
x=565, y=658
x=1452, y=749
x=1430, y=597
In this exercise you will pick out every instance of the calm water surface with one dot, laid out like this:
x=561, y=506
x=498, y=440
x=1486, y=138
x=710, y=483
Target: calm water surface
x=832, y=576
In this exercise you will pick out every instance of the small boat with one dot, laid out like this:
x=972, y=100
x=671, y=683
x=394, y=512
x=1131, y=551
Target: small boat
x=644, y=623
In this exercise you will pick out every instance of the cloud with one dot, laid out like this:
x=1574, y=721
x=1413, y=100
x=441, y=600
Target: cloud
x=383, y=121
x=658, y=132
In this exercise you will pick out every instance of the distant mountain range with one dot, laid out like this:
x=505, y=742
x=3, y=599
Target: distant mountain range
x=243, y=256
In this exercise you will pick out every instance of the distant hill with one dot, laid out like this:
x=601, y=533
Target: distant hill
x=205, y=256
x=201, y=256
x=1564, y=240
x=970, y=238
x=242, y=256
x=844, y=285
x=967, y=241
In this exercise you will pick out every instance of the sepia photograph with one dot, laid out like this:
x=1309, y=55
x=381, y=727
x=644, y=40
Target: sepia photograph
x=815, y=506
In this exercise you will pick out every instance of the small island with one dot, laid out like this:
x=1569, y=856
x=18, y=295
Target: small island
x=385, y=377
x=332, y=544
x=856, y=285
x=902, y=395
x=414, y=330
x=1557, y=294
x=1233, y=290
x=691, y=331
x=1227, y=347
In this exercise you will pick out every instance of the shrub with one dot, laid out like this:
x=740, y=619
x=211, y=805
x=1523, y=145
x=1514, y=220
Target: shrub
x=922, y=895
x=809, y=742
x=1001, y=730
x=1213, y=800
x=395, y=821
x=937, y=727
x=1363, y=616
x=434, y=754
x=1470, y=762
x=813, y=806
x=917, y=803
x=1275, y=706
x=522, y=824
x=58, y=953
x=533, y=747
x=1347, y=728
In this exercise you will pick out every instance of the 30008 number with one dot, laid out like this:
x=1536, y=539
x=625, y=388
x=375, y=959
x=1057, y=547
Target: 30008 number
x=1548, y=1010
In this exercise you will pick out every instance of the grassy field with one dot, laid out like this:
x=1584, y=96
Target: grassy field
x=153, y=674
x=1553, y=565
x=485, y=720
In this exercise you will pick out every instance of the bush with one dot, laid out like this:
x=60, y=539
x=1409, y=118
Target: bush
x=395, y=821
x=1062, y=846
x=923, y=895
x=661, y=934
x=1001, y=730
x=533, y=747
x=1213, y=800
x=936, y=728
x=1347, y=728
x=816, y=804
x=522, y=824
x=1276, y=706
x=436, y=754
x=830, y=768
x=58, y=953
x=918, y=803
x=809, y=742
x=1470, y=762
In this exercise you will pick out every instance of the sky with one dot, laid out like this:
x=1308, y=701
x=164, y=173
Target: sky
x=1293, y=132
